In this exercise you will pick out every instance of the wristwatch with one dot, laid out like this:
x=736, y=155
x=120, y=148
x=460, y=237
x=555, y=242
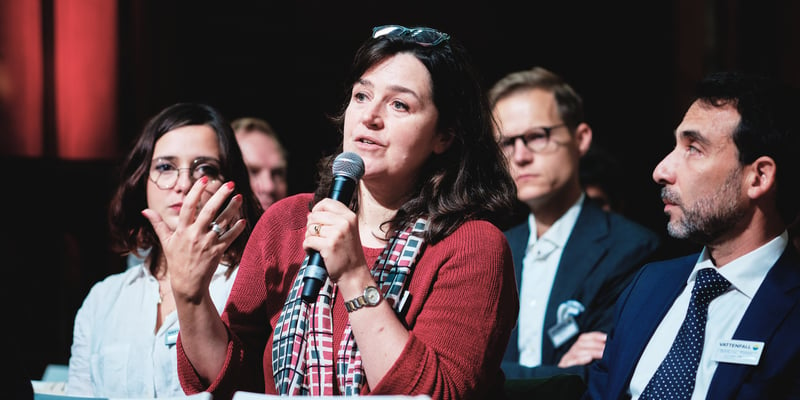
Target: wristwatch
x=370, y=298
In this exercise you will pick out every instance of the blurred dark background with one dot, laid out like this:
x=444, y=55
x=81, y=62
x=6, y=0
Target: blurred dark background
x=78, y=80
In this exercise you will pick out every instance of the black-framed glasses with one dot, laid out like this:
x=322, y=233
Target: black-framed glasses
x=164, y=173
x=536, y=140
x=419, y=34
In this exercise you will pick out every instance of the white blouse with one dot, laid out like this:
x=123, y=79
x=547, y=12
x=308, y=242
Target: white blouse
x=114, y=351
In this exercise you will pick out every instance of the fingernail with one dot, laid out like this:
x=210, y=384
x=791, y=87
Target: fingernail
x=229, y=185
x=204, y=180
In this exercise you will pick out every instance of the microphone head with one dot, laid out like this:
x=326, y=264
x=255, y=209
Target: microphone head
x=348, y=164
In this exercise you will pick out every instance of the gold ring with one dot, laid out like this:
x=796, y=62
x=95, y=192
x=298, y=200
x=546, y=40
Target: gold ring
x=316, y=229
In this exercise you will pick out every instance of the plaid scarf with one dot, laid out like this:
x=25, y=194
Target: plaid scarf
x=302, y=353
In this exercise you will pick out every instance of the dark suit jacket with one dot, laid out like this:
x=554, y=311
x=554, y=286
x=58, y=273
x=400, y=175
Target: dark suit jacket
x=601, y=255
x=773, y=317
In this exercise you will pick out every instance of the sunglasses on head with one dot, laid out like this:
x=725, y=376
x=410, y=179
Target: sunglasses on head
x=420, y=35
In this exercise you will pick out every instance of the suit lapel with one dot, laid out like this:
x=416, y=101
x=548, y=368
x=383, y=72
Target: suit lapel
x=517, y=237
x=777, y=296
x=581, y=253
x=656, y=287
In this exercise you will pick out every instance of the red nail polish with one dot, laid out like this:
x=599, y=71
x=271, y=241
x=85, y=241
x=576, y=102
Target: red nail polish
x=204, y=180
x=229, y=185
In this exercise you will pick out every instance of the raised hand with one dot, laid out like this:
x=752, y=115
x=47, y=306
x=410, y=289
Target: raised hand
x=193, y=249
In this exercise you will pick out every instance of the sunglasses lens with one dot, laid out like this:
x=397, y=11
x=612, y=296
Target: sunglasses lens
x=427, y=36
x=387, y=30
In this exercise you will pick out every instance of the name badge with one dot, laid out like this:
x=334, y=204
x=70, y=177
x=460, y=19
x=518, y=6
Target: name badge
x=565, y=328
x=171, y=338
x=738, y=352
x=563, y=331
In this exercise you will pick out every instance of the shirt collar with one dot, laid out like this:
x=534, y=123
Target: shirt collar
x=748, y=271
x=558, y=234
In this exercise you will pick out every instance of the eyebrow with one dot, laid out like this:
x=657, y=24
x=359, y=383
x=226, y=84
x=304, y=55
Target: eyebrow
x=395, y=88
x=531, y=130
x=694, y=136
x=172, y=159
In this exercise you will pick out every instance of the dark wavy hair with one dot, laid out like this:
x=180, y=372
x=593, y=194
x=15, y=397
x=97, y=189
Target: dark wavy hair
x=768, y=126
x=468, y=181
x=130, y=230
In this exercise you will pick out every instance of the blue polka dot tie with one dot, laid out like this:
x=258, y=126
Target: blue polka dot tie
x=675, y=377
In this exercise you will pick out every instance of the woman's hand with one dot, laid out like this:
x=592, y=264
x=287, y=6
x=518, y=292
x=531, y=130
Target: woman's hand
x=193, y=249
x=332, y=230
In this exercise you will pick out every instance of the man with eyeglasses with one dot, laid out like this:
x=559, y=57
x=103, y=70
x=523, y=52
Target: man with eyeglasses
x=571, y=258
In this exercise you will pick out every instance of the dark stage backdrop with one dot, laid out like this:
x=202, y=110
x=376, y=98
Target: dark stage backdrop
x=634, y=62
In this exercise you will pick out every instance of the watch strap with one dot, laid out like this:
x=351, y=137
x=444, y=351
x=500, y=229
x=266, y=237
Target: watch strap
x=370, y=298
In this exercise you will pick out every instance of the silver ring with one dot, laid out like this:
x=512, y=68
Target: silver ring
x=217, y=228
x=316, y=229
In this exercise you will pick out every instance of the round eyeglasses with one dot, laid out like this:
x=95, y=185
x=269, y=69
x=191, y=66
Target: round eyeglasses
x=536, y=140
x=419, y=35
x=164, y=173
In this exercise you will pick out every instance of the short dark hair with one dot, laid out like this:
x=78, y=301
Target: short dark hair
x=768, y=126
x=599, y=167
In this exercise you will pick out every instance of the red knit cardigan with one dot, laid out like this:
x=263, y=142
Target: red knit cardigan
x=462, y=308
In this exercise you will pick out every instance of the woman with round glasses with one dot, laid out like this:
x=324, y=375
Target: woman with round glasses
x=419, y=296
x=125, y=332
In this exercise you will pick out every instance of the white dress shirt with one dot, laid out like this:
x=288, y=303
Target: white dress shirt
x=539, y=267
x=724, y=314
x=115, y=352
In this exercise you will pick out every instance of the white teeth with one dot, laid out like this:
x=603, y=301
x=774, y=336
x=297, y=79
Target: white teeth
x=367, y=141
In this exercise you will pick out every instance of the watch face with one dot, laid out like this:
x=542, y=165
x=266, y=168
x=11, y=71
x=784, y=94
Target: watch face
x=372, y=295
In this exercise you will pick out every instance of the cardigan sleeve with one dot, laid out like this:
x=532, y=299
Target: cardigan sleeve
x=258, y=293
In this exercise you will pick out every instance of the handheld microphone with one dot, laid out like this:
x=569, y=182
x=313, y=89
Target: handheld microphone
x=348, y=168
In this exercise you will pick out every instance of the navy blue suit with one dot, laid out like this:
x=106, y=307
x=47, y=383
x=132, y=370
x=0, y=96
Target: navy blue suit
x=600, y=257
x=773, y=317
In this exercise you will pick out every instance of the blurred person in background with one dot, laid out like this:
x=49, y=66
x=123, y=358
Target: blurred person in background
x=571, y=257
x=602, y=179
x=265, y=157
x=125, y=331
x=266, y=161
